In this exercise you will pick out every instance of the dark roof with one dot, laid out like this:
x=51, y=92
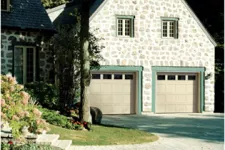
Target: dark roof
x=26, y=14
x=66, y=18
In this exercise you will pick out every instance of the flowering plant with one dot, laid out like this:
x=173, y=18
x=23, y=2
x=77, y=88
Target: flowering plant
x=16, y=109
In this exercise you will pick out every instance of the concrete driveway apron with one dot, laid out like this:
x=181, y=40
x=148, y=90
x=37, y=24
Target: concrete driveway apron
x=175, y=131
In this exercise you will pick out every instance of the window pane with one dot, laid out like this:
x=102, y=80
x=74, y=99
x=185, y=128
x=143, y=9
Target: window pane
x=181, y=77
x=164, y=29
x=129, y=77
x=30, y=65
x=118, y=76
x=171, y=28
x=107, y=76
x=127, y=27
x=4, y=4
x=120, y=27
x=171, y=77
x=96, y=76
x=161, y=77
x=191, y=77
x=18, y=64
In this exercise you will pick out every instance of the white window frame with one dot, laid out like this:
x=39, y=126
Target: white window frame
x=175, y=28
x=8, y=6
x=131, y=29
x=25, y=62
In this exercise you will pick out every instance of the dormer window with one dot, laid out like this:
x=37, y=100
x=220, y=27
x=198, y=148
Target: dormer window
x=5, y=5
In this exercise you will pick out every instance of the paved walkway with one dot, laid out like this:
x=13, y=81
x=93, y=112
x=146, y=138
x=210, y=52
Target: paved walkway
x=175, y=131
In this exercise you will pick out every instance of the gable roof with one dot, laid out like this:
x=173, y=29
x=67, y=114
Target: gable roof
x=29, y=14
x=99, y=4
x=65, y=17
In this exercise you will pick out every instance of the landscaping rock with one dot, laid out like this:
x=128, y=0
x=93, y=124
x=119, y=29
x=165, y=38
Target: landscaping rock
x=96, y=114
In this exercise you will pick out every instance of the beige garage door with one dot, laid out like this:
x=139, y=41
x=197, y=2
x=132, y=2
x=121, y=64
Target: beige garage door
x=176, y=93
x=113, y=93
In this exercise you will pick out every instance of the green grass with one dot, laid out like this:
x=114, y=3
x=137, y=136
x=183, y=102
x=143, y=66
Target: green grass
x=104, y=135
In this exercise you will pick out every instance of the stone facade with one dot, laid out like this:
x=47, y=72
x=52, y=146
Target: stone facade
x=8, y=37
x=147, y=48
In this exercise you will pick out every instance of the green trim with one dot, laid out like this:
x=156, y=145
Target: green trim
x=132, y=24
x=125, y=17
x=137, y=69
x=169, y=18
x=200, y=70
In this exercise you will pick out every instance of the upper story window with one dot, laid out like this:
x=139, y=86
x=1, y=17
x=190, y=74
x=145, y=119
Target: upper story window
x=170, y=28
x=5, y=5
x=125, y=26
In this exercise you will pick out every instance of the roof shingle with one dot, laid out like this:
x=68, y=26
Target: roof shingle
x=26, y=14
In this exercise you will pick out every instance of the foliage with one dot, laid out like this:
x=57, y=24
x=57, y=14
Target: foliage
x=7, y=146
x=53, y=3
x=53, y=117
x=45, y=94
x=66, y=49
x=16, y=109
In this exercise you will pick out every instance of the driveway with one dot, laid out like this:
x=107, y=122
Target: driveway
x=175, y=131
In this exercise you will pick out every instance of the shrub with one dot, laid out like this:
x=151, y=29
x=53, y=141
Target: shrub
x=44, y=93
x=55, y=118
x=16, y=109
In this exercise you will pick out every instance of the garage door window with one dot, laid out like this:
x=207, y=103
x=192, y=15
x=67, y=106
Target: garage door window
x=161, y=77
x=96, y=76
x=129, y=77
x=171, y=77
x=181, y=77
x=107, y=76
x=191, y=77
x=118, y=76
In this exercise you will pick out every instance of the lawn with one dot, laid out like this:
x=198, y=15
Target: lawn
x=104, y=135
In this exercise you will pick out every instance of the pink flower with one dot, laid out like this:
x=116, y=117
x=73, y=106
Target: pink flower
x=14, y=117
x=3, y=116
x=11, y=89
x=12, y=80
x=2, y=102
x=38, y=122
x=37, y=112
x=21, y=114
x=27, y=114
x=25, y=97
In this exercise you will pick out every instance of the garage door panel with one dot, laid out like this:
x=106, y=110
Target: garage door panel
x=170, y=108
x=179, y=94
x=180, y=89
x=106, y=88
x=160, y=88
x=96, y=89
x=161, y=99
x=116, y=95
x=170, y=88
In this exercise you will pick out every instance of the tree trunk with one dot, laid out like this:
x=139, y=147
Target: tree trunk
x=84, y=111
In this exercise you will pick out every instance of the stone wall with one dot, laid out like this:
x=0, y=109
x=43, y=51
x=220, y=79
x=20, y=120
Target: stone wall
x=8, y=37
x=147, y=48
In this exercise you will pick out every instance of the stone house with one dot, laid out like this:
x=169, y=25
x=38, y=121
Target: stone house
x=22, y=24
x=159, y=58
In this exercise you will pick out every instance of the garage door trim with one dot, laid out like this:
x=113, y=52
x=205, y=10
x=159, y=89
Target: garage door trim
x=200, y=70
x=137, y=69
